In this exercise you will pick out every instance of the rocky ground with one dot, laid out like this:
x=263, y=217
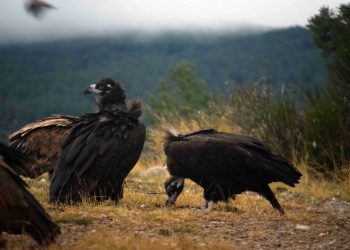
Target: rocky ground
x=142, y=221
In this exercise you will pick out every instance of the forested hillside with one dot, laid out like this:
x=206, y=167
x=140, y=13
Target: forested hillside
x=44, y=78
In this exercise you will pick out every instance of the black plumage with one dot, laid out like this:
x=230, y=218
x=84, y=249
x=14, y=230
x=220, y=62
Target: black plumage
x=101, y=148
x=224, y=164
x=37, y=7
x=18, y=161
x=19, y=211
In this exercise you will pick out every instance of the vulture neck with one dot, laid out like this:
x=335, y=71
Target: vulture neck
x=113, y=103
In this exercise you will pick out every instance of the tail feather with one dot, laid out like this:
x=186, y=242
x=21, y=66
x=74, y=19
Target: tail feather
x=171, y=134
x=282, y=170
x=136, y=108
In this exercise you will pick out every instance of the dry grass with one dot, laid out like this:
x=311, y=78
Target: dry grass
x=142, y=221
x=313, y=184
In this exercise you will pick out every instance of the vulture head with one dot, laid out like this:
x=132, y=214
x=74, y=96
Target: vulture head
x=173, y=186
x=108, y=94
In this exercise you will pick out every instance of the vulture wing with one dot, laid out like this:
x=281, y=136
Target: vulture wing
x=255, y=159
x=20, y=211
x=41, y=142
x=37, y=7
x=96, y=157
x=15, y=159
x=225, y=164
x=232, y=160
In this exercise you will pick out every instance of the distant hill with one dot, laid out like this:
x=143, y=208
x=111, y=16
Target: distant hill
x=44, y=78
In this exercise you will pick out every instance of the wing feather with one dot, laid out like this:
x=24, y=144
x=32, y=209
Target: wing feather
x=41, y=142
x=104, y=156
x=232, y=159
x=19, y=210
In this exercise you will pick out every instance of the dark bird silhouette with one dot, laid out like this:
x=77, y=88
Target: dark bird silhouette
x=224, y=165
x=101, y=148
x=41, y=142
x=19, y=211
x=37, y=7
x=18, y=162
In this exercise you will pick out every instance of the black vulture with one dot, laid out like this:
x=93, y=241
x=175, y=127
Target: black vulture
x=37, y=7
x=19, y=210
x=224, y=164
x=101, y=148
x=41, y=142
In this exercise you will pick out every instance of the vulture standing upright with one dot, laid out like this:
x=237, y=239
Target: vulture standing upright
x=101, y=148
x=224, y=164
x=41, y=142
x=19, y=210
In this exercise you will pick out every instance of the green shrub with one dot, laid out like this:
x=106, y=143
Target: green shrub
x=310, y=128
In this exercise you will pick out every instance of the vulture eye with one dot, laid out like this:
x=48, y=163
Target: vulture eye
x=99, y=88
x=104, y=87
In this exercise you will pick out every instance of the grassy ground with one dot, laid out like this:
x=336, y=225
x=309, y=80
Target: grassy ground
x=317, y=212
x=317, y=216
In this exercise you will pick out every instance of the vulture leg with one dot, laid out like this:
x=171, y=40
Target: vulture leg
x=205, y=204
x=211, y=205
x=208, y=205
x=268, y=194
x=115, y=198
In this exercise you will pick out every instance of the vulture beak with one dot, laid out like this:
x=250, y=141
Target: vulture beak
x=92, y=90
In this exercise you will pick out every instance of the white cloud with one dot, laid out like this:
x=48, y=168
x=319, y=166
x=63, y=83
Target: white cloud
x=83, y=17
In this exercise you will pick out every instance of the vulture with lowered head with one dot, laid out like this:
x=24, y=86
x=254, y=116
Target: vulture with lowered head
x=224, y=164
x=101, y=148
x=19, y=211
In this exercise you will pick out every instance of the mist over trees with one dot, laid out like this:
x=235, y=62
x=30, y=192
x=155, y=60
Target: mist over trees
x=305, y=122
x=41, y=79
x=275, y=85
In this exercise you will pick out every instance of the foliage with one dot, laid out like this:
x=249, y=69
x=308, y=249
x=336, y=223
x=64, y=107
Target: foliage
x=324, y=135
x=263, y=113
x=41, y=79
x=181, y=92
x=38, y=80
x=328, y=117
x=303, y=125
x=331, y=31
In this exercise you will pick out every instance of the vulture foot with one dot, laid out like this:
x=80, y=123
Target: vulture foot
x=208, y=205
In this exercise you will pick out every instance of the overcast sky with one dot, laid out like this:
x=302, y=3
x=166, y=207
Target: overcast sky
x=95, y=17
